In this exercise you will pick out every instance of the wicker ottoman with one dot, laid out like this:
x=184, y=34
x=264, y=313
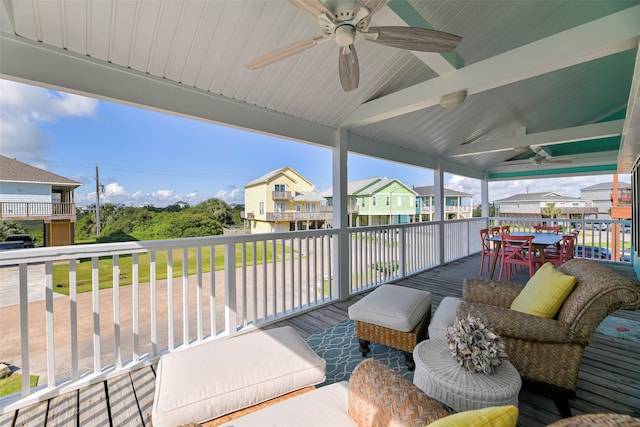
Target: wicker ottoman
x=440, y=376
x=394, y=316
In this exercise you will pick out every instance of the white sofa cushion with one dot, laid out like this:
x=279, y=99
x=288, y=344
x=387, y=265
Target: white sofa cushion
x=392, y=306
x=322, y=407
x=444, y=317
x=223, y=376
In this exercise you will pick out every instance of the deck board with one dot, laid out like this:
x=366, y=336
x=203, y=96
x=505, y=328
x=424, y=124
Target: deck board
x=609, y=378
x=93, y=409
x=144, y=385
x=7, y=419
x=33, y=415
x=122, y=402
x=63, y=410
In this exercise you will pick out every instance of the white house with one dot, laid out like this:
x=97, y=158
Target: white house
x=533, y=204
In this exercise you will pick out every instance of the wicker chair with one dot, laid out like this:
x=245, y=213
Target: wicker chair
x=547, y=352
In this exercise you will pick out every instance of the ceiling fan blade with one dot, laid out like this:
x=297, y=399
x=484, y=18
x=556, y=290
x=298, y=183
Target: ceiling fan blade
x=282, y=53
x=371, y=5
x=313, y=7
x=413, y=38
x=349, y=68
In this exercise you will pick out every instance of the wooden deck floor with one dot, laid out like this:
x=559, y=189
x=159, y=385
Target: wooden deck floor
x=609, y=379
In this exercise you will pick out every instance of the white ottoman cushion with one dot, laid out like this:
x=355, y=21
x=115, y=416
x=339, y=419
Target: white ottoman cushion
x=219, y=377
x=322, y=407
x=392, y=306
x=444, y=317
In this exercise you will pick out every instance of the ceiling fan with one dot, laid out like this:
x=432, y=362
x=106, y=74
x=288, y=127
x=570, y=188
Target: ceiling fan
x=540, y=155
x=348, y=20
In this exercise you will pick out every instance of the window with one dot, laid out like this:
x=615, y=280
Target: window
x=387, y=201
x=298, y=208
x=261, y=208
x=279, y=206
x=362, y=202
x=280, y=187
x=373, y=201
x=310, y=207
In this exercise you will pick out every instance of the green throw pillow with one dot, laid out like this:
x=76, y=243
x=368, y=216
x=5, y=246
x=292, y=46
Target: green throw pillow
x=496, y=416
x=544, y=293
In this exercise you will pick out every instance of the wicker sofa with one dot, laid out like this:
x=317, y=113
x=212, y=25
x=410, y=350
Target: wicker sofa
x=547, y=352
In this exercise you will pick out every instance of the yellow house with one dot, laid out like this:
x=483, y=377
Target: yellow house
x=283, y=200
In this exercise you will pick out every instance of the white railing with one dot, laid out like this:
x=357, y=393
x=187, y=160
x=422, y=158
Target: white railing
x=154, y=303
x=386, y=253
x=462, y=237
x=602, y=239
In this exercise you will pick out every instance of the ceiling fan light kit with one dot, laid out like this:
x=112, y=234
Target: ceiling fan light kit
x=452, y=100
x=349, y=22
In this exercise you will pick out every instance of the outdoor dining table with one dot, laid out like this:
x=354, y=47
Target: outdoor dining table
x=540, y=241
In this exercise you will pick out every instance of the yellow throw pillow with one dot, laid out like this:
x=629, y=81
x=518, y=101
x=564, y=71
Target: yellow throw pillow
x=496, y=416
x=544, y=293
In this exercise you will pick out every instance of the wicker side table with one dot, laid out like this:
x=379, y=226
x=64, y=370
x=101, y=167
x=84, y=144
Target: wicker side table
x=440, y=376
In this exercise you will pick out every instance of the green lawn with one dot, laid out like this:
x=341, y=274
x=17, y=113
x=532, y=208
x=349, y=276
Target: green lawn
x=13, y=384
x=105, y=266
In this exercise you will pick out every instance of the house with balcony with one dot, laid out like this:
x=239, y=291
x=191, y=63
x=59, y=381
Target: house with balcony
x=601, y=196
x=283, y=200
x=28, y=193
x=532, y=205
x=378, y=201
x=457, y=205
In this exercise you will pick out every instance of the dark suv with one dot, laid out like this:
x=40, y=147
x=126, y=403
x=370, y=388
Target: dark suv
x=26, y=239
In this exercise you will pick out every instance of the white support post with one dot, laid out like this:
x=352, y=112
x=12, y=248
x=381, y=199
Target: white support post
x=341, y=268
x=438, y=201
x=484, y=196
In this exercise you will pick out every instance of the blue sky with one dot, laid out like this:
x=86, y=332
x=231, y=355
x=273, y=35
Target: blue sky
x=149, y=157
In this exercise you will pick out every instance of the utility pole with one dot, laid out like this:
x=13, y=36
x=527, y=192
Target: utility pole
x=97, y=203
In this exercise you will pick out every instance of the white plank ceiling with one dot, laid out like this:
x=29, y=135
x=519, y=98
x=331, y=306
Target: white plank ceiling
x=529, y=67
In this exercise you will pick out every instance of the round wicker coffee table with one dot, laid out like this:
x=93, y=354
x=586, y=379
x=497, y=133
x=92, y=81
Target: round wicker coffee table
x=440, y=376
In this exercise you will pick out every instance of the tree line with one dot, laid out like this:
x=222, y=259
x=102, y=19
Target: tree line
x=119, y=224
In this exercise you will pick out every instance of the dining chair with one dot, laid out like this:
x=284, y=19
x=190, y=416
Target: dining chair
x=495, y=231
x=546, y=229
x=506, y=229
x=562, y=253
x=487, y=249
x=516, y=250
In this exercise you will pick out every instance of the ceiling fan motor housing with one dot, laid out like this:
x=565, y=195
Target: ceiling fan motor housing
x=345, y=35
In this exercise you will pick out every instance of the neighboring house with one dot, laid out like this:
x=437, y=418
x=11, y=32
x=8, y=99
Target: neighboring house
x=28, y=193
x=283, y=200
x=377, y=201
x=457, y=205
x=600, y=196
x=533, y=204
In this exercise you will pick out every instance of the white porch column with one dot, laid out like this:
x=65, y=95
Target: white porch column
x=438, y=205
x=484, y=195
x=341, y=268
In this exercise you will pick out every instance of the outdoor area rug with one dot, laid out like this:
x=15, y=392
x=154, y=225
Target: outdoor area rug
x=617, y=327
x=338, y=345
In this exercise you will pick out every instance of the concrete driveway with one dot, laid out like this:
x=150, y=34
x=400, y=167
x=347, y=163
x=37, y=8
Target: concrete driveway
x=9, y=285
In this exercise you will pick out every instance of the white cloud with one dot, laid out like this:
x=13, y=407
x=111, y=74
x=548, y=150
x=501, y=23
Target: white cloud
x=117, y=194
x=24, y=108
x=236, y=195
